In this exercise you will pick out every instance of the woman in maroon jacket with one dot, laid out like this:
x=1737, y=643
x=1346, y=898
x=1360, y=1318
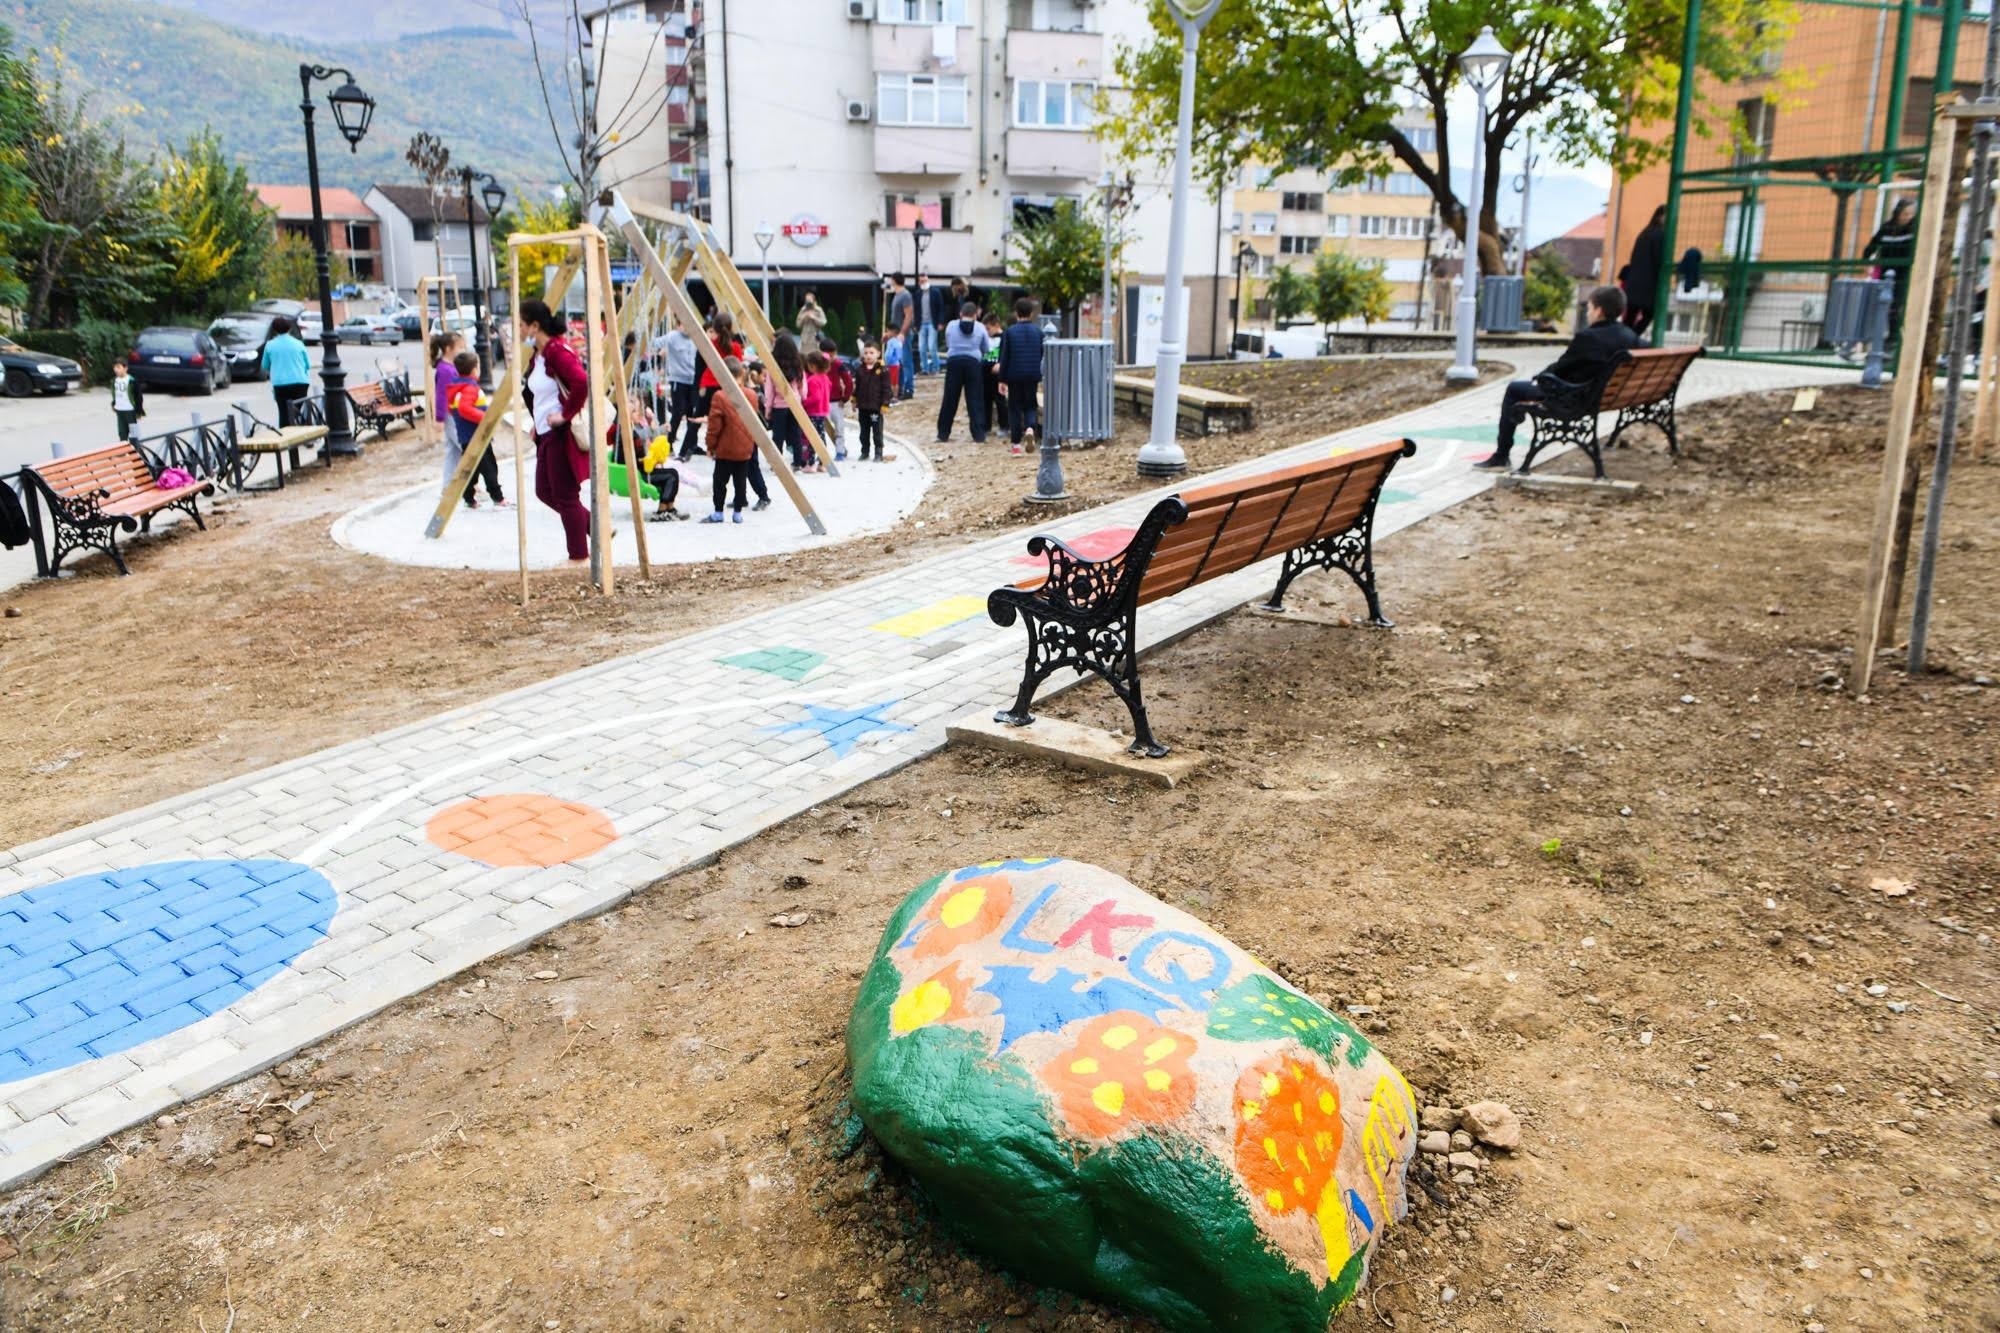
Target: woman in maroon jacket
x=556, y=389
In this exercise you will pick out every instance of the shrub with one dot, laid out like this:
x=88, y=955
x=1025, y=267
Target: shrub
x=93, y=344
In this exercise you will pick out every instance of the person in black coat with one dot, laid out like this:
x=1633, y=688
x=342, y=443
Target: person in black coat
x=1589, y=354
x=1892, y=247
x=1021, y=371
x=1642, y=272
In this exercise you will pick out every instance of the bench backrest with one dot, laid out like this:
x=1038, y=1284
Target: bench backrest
x=366, y=395
x=120, y=470
x=1234, y=524
x=1646, y=375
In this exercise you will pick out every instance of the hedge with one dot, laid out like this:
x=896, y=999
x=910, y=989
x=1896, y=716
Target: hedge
x=93, y=344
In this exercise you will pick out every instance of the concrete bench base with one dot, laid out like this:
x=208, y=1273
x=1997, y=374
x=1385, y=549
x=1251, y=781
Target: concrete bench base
x=1074, y=746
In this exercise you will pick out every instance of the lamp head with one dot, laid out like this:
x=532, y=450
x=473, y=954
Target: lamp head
x=764, y=235
x=494, y=196
x=352, y=110
x=1485, y=62
x=1193, y=13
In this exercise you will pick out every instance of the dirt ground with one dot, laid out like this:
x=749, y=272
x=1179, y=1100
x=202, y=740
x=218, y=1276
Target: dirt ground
x=1594, y=832
x=273, y=642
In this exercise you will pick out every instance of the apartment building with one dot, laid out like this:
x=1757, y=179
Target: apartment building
x=352, y=229
x=855, y=130
x=1289, y=217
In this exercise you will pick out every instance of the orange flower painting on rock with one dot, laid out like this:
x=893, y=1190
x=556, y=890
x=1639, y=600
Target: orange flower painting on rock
x=1124, y=1070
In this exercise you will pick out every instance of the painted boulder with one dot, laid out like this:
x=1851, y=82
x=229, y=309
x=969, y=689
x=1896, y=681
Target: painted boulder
x=1103, y=1094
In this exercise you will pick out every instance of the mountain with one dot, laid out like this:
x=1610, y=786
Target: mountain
x=356, y=20
x=159, y=74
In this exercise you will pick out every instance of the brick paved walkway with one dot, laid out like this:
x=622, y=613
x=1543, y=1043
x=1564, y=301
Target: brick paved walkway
x=155, y=956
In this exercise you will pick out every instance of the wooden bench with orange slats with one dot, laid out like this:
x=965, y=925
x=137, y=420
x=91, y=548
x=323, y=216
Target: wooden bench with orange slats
x=1083, y=613
x=375, y=410
x=1640, y=386
x=91, y=496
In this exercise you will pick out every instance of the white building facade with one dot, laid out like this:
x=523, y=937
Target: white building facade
x=415, y=239
x=842, y=124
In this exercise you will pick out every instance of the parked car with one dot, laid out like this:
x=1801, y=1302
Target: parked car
x=309, y=327
x=179, y=358
x=369, y=329
x=242, y=335
x=27, y=372
x=274, y=305
x=408, y=324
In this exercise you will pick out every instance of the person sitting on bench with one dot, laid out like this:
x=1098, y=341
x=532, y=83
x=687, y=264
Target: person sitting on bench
x=1589, y=354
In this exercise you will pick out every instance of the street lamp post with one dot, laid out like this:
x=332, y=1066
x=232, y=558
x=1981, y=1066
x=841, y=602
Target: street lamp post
x=494, y=197
x=1484, y=64
x=1162, y=455
x=1525, y=183
x=920, y=236
x=764, y=235
x=352, y=110
x=1243, y=252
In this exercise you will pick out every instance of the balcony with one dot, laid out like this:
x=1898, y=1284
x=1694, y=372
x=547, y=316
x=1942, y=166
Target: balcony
x=921, y=150
x=1066, y=154
x=945, y=252
x=1055, y=55
x=906, y=48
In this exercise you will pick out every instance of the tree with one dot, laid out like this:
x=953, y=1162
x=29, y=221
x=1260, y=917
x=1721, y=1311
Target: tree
x=286, y=268
x=1290, y=293
x=1061, y=257
x=20, y=114
x=1344, y=287
x=537, y=215
x=432, y=161
x=221, y=230
x=1319, y=85
x=1550, y=289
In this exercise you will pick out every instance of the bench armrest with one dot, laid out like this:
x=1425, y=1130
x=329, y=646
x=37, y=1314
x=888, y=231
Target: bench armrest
x=1565, y=398
x=1074, y=582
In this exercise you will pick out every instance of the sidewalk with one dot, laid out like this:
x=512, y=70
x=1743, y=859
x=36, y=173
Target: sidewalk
x=155, y=956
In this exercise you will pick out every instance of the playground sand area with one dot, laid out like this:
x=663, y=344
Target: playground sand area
x=1591, y=833
x=262, y=639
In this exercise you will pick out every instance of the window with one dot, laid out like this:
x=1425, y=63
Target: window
x=1760, y=121
x=1393, y=228
x=920, y=99
x=902, y=211
x=1302, y=201
x=1263, y=224
x=1031, y=210
x=1053, y=104
x=1423, y=138
x=1732, y=227
x=1339, y=224
x=1298, y=245
x=921, y=11
x=423, y=229
x=1396, y=182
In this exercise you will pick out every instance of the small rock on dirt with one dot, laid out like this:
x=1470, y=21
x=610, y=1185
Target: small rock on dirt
x=263, y=1140
x=1493, y=1124
x=1438, y=1117
x=1436, y=1141
x=787, y=920
x=546, y=974
x=1465, y=1161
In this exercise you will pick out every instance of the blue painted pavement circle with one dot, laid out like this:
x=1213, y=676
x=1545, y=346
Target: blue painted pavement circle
x=97, y=964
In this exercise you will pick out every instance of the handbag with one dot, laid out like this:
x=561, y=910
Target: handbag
x=174, y=478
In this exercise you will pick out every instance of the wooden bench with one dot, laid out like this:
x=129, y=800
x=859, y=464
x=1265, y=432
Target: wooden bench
x=375, y=410
x=1083, y=613
x=1199, y=411
x=277, y=443
x=91, y=496
x=1640, y=386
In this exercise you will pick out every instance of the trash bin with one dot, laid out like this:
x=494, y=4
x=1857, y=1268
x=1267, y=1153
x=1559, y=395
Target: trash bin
x=1500, y=303
x=1077, y=373
x=1857, y=310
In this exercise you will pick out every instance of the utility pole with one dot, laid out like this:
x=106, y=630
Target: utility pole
x=586, y=164
x=1527, y=185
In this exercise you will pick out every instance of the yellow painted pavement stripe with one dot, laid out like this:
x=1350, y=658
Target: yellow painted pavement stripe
x=916, y=624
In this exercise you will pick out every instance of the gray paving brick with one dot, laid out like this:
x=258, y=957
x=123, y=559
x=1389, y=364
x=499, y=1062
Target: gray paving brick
x=67, y=1085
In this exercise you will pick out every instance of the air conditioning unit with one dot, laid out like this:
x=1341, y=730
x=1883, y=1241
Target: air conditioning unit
x=858, y=110
x=861, y=10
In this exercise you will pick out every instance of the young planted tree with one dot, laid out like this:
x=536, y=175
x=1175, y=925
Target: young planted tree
x=1550, y=290
x=432, y=161
x=1345, y=287
x=1290, y=292
x=1319, y=84
x=1061, y=258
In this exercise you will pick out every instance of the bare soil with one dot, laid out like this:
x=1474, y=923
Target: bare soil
x=1593, y=832
x=261, y=640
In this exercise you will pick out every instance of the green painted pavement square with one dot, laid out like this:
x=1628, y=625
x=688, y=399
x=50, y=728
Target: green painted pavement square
x=1475, y=434
x=794, y=664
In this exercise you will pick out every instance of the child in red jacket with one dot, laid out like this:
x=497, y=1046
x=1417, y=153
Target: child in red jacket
x=462, y=400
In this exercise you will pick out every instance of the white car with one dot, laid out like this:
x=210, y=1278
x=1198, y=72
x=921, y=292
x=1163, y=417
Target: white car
x=309, y=326
x=381, y=329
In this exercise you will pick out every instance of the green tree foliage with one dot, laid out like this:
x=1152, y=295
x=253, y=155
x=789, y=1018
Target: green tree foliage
x=1550, y=290
x=287, y=269
x=538, y=215
x=1290, y=293
x=1346, y=287
x=1060, y=258
x=221, y=231
x=1316, y=85
x=19, y=114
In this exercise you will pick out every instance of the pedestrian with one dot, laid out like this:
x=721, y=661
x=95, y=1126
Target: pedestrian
x=1589, y=355
x=931, y=316
x=788, y=367
x=1642, y=272
x=679, y=352
x=964, y=373
x=1892, y=247
x=902, y=318
x=992, y=411
x=842, y=377
x=289, y=369
x=874, y=391
x=731, y=447
x=818, y=397
x=811, y=321
x=128, y=398
x=556, y=386
x=892, y=361
x=443, y=347
x=464, y=413
x=1021, y=371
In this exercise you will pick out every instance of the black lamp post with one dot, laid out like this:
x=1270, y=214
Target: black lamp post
x=1236, y=307
x=352, y=110
x=920, y=236
x=494, y=197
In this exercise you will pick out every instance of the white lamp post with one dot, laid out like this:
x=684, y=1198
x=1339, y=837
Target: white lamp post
x=764, y=235
x=1484, y=64
x=1162, y=455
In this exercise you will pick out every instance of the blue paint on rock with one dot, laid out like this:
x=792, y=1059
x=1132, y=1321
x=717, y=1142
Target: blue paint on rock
x=97, y=964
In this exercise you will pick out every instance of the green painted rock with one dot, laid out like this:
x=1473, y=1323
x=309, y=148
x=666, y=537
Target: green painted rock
x=1102, y=1094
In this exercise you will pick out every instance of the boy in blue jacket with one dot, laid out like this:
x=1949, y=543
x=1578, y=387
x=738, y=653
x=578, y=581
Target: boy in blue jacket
x=1021, y=372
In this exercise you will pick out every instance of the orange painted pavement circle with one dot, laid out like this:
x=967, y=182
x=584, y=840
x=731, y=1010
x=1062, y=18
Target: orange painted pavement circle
x=520, y=829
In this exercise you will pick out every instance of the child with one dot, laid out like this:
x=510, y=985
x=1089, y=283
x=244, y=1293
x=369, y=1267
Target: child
x=128, y=399
x=788, y=366
x=817, y=395
x=444, y=348
x=842, y=376
x=462, y=398
x=731, y=446
x=874, y=391
x=894, y=360
x=657, y=466
x=991, y=410
x=1021, y=372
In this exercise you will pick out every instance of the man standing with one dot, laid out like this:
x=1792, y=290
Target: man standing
x=902, y=316
x=1589, y=354
x=930, y=317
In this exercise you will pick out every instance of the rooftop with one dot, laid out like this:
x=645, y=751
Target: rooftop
x=414, y=201
x=294, y=202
